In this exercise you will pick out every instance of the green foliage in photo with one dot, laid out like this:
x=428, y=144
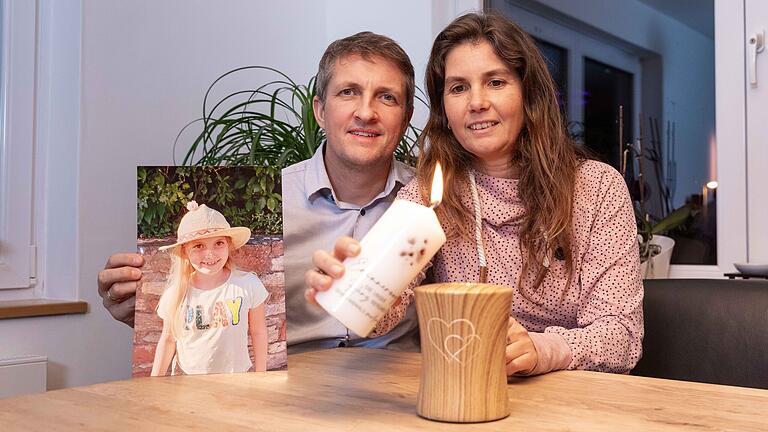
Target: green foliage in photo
x=246, y=196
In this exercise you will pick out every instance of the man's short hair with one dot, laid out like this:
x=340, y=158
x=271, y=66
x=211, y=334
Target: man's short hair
x=367, y=45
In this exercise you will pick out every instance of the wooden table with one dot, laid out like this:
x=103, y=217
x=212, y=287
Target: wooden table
x=364, y=390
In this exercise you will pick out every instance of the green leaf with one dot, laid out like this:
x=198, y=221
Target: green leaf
x=673, y=220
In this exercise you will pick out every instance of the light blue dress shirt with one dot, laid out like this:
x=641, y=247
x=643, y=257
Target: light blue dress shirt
x=314, y=219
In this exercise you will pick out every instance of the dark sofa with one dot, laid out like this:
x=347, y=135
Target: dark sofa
x=706, y=330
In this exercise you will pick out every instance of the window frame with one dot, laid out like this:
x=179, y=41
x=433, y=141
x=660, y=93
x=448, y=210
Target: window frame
x=729, y=119
x=17, y=150
x=578, y=46
x=51, y=193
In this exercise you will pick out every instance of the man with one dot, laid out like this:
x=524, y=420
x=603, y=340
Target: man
x=364, y=102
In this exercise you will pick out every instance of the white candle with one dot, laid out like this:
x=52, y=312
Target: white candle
x=391, y=255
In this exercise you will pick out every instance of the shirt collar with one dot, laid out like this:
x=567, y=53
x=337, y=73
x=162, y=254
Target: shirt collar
x=317, y=183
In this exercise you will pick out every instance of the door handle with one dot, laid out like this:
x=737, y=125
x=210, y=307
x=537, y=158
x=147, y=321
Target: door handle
x=755, y=45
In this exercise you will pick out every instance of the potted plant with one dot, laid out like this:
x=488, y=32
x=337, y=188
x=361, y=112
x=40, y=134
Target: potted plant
x=655, y=247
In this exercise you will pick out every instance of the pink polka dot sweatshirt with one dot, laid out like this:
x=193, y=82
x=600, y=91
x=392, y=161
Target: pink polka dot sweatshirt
x=593, y=323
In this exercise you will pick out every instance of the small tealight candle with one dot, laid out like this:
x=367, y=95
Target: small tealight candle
x=391, y=255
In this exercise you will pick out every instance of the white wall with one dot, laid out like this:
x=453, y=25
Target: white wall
x=143, y=67
x=688, y=56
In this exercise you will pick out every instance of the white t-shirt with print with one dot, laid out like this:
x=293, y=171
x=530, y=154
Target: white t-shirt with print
x=215, y=335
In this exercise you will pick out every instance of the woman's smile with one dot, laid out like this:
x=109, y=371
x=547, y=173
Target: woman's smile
x=480, y=127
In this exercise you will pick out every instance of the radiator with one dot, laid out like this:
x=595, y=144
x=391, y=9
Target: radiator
x=23, y=375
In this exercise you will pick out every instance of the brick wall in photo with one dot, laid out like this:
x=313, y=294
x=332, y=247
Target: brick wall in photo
x=262, y=255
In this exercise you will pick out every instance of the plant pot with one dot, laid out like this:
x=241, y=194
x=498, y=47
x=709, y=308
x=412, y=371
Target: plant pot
x=658, y=266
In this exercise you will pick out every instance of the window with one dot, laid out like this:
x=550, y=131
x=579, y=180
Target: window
x=652, y=60
x=557, y=64
x=17, y=68
x=605, y=88
x=39, y=149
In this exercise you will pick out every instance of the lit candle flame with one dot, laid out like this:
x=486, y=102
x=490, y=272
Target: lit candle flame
x=437, y=186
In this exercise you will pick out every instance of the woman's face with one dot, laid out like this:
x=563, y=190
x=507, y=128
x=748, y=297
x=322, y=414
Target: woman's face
x=483, y=102
x=208, y=255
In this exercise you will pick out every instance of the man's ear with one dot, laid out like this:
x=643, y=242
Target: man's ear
x=319, y=109
x=407, y=119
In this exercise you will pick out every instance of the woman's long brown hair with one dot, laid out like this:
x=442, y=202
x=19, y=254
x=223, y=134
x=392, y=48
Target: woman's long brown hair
x=544, y=153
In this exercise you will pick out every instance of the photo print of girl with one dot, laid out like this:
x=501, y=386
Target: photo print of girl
x=213, y=296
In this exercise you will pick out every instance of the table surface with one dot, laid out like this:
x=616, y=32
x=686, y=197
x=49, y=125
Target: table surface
x=359, y=390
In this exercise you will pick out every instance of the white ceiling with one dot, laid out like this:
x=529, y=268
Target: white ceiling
x=696, y=14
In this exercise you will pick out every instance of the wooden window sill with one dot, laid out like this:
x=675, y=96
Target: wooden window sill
x=41, y=307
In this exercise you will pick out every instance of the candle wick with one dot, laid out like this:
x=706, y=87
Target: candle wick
x=483, y=274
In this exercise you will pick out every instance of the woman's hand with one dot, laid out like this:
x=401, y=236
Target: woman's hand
x=521, y=353
x=328, y=266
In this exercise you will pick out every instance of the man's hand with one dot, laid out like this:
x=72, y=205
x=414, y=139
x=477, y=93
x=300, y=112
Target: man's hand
x=521, y=353
x=329, y=266
x=118, y=283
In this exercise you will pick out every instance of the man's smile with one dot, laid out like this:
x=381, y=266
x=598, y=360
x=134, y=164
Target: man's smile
x=366, y=133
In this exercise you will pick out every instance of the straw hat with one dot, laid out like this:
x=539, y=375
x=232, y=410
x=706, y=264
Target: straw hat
x=202, y=222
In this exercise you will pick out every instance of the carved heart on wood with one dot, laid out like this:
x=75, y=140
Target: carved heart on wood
x=459, y=340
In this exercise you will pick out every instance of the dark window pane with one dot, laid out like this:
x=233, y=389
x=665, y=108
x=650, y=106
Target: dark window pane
x=557, y=63
x=605, y=89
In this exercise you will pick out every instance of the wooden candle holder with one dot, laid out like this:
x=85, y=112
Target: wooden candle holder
x=463, y=330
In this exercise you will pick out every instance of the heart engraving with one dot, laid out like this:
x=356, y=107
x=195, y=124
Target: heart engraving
x=454, y=345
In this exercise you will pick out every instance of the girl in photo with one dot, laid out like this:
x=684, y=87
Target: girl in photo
x=210, y=308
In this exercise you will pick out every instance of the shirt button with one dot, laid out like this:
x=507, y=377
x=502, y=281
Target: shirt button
x=362, y=212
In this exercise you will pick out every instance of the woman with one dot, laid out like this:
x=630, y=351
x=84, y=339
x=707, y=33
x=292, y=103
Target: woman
x=558, y=227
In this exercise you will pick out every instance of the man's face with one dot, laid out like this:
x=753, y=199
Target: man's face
x=364, y=113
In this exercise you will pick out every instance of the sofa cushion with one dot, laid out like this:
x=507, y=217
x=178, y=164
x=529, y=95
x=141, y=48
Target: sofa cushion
x=706, y=330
